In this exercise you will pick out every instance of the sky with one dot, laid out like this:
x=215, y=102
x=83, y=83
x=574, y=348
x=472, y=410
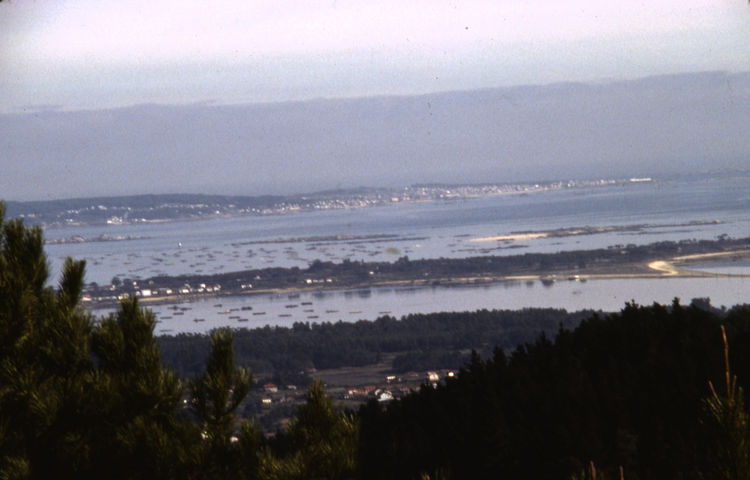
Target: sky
x=105, y=97
x=91, y=54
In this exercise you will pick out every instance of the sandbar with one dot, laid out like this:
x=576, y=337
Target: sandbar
x=511, y=237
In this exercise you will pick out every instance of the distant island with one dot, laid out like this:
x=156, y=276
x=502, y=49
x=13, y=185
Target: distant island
x=98, y=238
x=174, y=207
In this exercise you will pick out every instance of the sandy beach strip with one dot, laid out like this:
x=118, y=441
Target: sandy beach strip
x=664, y=267
x=671, y=268
x=511, y=237
x=705, y=256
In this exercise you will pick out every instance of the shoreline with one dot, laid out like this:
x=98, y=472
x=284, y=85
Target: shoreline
x=670, y=268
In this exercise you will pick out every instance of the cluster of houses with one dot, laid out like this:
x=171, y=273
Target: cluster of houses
x=393, y=387
x=186, y=289
x=117, y=292
x=271, y=394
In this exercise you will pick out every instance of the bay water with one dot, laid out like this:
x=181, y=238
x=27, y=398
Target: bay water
x=697, y=207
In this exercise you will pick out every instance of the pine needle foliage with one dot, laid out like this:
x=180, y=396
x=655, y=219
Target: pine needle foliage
x=79, y=400
x=45, y=366
x=216, y=395
x=592, y=473
x=730, y=425
x=218, y=391
x=321, y=442
x=138, y=399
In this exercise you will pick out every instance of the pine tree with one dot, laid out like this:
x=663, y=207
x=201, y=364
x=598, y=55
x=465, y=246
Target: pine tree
x=140, y=433
x=322, y=442
x=731, y=426
x=215, y=396
x=45, y=367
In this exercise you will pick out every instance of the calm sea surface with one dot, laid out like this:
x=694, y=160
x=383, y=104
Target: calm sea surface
x=665, y=210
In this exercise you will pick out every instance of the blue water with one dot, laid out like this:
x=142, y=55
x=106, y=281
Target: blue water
x=736, y=267
x=669, y=208
x=424, y=230
x=252, y=311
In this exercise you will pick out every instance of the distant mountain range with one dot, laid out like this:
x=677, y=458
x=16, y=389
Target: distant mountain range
x=653, y=126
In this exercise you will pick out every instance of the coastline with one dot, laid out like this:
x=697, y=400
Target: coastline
x=673, y=267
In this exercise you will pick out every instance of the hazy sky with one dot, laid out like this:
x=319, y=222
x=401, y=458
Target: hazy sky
x=112, y=97
x=103, y=53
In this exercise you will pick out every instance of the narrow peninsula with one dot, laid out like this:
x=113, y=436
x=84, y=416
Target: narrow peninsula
x=654, y=260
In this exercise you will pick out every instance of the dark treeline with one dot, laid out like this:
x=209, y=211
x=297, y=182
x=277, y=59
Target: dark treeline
x=92, y=399
x=421, y=338
x=626, y=390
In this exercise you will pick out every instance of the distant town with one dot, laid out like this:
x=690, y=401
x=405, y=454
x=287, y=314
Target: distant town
x=171, y=207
